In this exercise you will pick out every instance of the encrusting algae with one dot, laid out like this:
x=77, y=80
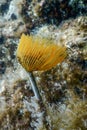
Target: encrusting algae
x=37, y=54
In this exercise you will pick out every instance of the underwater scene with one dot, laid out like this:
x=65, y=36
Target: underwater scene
x=43, y=64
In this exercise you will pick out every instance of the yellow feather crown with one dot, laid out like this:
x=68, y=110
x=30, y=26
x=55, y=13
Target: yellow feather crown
x=36, y=54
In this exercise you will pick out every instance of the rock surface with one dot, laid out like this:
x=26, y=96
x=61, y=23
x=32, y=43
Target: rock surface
x=64, y=87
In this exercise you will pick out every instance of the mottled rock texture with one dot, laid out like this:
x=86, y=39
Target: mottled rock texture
x=64, y=87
